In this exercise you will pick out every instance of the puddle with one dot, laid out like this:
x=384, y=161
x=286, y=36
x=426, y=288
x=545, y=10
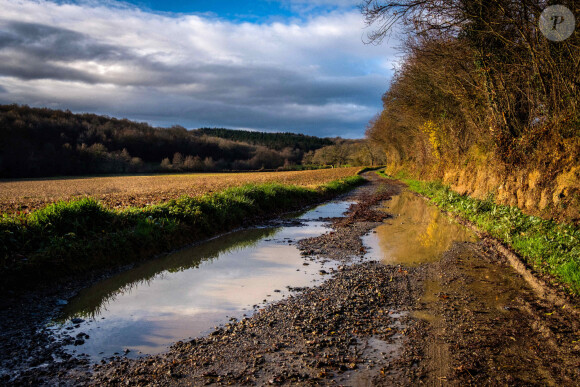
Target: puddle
x=330, y=210
x=185, y=294
x=494, y=287
x=418, y=233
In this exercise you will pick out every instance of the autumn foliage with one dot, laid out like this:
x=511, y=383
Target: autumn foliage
x=478, y=80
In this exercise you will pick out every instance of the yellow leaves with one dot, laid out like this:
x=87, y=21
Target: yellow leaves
x=435, y=134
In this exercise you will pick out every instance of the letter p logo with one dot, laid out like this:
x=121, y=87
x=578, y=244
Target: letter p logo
x=557, y=23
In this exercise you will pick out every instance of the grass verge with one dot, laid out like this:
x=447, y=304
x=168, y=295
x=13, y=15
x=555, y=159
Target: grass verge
x=547, y=246
x=368, y=169
x=71, y=237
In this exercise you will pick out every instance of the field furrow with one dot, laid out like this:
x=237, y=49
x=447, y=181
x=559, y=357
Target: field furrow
x=139, y=191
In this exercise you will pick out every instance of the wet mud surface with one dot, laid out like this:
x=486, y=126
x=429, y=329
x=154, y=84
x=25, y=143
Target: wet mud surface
x=485, y=325
x=465, y=319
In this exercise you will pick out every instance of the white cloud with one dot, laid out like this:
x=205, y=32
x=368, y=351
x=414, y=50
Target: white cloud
x=191, y=70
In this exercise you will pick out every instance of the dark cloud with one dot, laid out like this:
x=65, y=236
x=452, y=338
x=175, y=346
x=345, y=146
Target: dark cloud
x=44, y=42
x=259, y=85
x=332, y=120
x=35, y=51
x=29, y=68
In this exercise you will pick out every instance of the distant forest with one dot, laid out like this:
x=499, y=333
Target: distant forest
x=276, y=141
x=38, y=142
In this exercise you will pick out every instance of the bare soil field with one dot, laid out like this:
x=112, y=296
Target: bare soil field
x=140, y=191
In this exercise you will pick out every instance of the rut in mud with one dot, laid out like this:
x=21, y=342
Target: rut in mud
x=486, y=326
x=457, y=316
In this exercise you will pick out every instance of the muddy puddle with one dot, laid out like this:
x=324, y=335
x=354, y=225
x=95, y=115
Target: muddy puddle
x=471, y=300
x=189, y=292
x=417, y=233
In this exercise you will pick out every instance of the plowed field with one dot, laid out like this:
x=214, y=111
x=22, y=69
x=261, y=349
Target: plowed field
x=125, y=191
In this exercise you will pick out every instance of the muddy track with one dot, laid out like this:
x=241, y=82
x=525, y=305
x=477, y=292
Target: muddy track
x=468, y=319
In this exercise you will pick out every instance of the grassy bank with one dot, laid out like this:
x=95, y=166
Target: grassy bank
x=547, y=246
x=72, y=237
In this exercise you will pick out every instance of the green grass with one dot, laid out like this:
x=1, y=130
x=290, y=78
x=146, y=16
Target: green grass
x=78, y=236
x=367, y=169
x=547, y=246
x=383, y=174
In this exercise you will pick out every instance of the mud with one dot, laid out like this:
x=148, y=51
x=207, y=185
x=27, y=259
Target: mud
x=489, y=327
x=465, y=319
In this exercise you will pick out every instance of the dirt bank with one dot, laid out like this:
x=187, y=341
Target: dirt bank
x=545, y=193
x=468, y=319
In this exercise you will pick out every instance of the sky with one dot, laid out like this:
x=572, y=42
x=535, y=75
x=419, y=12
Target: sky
x=272, y=65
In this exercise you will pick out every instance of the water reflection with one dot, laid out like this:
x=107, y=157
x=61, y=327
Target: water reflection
x=188, y=292
x=90, y=302
x=418, y=233
x=329, y=210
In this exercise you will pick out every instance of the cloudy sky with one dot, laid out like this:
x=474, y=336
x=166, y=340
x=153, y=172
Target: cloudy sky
x=279, y=65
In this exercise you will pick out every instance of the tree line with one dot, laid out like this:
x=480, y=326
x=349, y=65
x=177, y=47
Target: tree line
x=478, y=80
x=346, y=152
x=277, y=141
x=36, y=142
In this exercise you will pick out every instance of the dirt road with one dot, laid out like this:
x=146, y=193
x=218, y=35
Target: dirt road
x=466, y=318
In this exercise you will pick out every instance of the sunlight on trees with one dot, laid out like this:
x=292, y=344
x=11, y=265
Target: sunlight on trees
x=477, y=74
